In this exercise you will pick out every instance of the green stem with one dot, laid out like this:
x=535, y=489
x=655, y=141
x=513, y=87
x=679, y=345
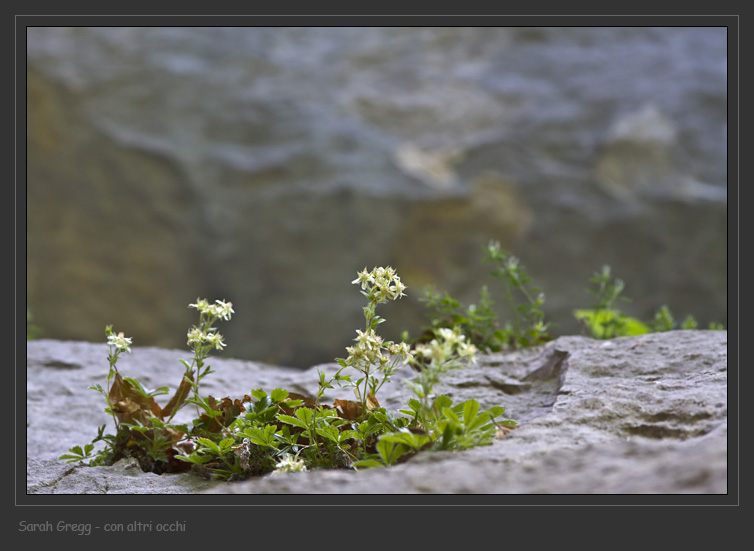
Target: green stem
x=368, y=316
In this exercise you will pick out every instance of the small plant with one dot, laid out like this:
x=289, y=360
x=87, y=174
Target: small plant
x=435, y=424
x=143, y=428
x=605, y=321
x=528, y=327
x=479, y=323
x=260, y=433
x=371, y=355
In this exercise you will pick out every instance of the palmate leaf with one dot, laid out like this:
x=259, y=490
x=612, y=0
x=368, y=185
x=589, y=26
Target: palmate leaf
x=470, y=410
x=207, y=443
x=442, y=402
x=480, y=421
x=292, y=421
x=305, y=415
x=451, y=415
x=496, y=411
x=70, y=458
x=367, y=464
x=390, y=451
x=261, y=437
x=77, y=454
x=331, y=433
x=600, y=322
x=259, y=394
x=412, y=440
x=278, y=395
x=195, y=458
x=225, y=444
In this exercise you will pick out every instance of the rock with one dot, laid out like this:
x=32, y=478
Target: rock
x=267, y=165
x=633, y=415
x=49, y=476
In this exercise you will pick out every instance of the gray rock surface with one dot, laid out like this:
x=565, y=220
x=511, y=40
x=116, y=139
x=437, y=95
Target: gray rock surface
x=267, y=165
x=634, y=415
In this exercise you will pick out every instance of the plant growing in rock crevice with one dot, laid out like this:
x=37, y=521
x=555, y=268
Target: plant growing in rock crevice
x=281, y=431
x=604, y=320
x=480, y=323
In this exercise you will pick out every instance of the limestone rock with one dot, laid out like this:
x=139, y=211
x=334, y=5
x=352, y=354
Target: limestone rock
x=645, y=415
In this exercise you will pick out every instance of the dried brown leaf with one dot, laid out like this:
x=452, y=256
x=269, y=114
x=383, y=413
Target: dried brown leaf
x=178, y=398
x=130, y=406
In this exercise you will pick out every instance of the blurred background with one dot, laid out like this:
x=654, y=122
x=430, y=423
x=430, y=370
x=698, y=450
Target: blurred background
x=266, y=166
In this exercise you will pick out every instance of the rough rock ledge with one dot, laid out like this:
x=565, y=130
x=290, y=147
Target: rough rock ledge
x=633, y=415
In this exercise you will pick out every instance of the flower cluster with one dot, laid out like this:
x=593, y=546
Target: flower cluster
x=447, y=345
x=289, y=465
x=381, y=284
x=209, y=314
x=220, y=309
x=370, y=347
x=197, y=337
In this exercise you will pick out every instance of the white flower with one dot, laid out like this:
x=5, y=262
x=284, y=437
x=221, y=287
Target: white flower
x=401, y=349
x=222, y=309
x=364, y=278
x=369, y=339
x=289, y=465
x=215, y=339
x=119, y=341
x=201, y=304
x=195, y=336
x=398, y=288
x=452, y=337
x=466, y=350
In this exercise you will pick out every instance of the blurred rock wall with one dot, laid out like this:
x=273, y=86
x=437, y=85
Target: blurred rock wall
x=265, y=166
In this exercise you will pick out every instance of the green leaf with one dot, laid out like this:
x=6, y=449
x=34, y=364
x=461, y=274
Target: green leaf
x=470, y=410
x=226, y=443
x=409, y=439
x=450, y=414
x=207, y=443
x=367, y=464
x=479, y=421
x=346, y=434
x=305, y=414
x=390, y=451
x=606, y=323
x=279, y=394
x=71, y=458
x=261, y=437
x=496, y=411
x=259, y=394
x=331, y=433
x=292, y=421
x=415, y=405
x=442, y=402
x=194, y=458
